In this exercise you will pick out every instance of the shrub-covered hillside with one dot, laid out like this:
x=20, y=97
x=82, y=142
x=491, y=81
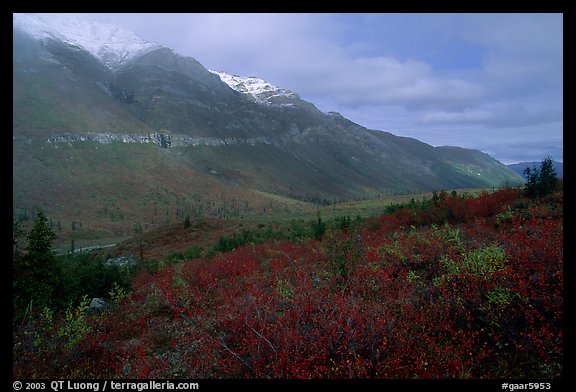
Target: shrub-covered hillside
x=451, y=287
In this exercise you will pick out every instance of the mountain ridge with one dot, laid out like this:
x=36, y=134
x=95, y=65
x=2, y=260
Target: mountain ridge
x=179, y=117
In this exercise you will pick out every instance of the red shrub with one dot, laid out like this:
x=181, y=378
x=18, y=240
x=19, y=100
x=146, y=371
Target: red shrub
x=470, y=299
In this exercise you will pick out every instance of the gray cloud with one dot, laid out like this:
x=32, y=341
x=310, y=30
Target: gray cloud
x=428, y=76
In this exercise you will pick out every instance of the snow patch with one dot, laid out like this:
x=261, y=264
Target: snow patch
x=113, y=45
x=262, y=91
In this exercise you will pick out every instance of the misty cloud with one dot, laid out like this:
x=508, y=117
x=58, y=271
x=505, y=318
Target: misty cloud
x=442, y=117
x=407, y=73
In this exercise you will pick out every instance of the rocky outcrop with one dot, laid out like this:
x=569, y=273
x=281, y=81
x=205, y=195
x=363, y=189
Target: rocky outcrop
x=121, y=261
x=163, y=140
x=97, y=305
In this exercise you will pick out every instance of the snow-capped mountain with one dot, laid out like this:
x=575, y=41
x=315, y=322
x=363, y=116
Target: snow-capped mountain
x=113, y=45
x=262, y=91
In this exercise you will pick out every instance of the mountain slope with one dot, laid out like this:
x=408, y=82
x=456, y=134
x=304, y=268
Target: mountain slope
x=58, y=87
x=140, y=110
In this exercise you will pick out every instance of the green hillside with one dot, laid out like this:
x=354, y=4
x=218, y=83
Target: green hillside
x=97, y=193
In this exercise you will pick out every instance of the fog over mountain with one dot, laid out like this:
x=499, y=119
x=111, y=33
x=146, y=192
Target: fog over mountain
x=490, y=81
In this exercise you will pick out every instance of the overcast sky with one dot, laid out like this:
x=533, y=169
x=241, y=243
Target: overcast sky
x=492, y=82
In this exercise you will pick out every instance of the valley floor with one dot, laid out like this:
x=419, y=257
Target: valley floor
x=455, y=286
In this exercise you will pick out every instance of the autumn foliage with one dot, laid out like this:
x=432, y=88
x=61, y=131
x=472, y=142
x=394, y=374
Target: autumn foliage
x=456, y=287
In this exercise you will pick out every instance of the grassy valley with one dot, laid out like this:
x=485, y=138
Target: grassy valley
x=141, y=186
x=97, y=194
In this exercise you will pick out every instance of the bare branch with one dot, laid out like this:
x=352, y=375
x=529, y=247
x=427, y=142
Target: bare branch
x=266, y=340
x=236, y=355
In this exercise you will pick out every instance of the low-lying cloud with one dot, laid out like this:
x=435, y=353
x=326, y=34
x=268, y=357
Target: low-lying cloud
x=383, y=71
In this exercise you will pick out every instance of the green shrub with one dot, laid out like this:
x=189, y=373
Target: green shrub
x=499, y=297
x=76, y=327
x=485, y=261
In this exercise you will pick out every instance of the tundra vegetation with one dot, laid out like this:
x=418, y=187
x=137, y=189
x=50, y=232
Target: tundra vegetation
x=453, y=286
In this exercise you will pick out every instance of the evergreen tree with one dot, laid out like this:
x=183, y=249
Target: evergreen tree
x=36, y=273
x=40, y=241
x=318, y=228
x=541, y=182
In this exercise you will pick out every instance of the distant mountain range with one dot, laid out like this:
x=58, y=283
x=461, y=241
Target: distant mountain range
x=520, y=167
x=112, y=129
